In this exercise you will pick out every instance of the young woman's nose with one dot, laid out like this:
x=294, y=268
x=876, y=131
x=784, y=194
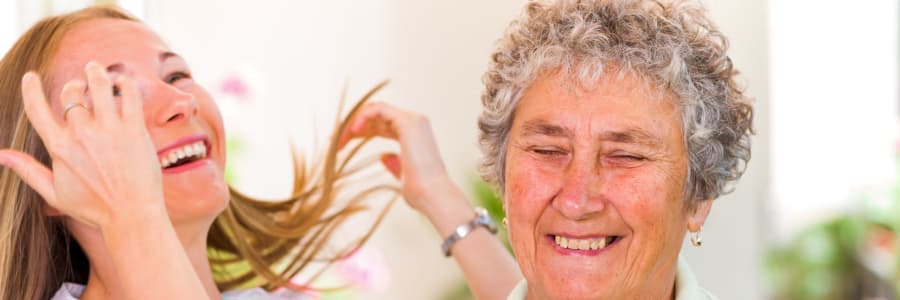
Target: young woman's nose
x=169, y=103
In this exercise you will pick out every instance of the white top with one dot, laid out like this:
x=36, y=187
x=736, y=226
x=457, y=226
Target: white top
x=686, y=287
x=73, y=291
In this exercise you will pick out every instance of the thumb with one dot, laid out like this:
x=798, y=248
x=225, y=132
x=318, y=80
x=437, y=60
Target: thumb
x=35, y=174
x=392, y=162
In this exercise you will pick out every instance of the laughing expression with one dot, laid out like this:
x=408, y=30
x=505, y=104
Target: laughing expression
x=594, y=189
x=181, y=117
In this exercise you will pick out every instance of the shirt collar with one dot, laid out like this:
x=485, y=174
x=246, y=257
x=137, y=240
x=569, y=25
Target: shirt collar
x=686, y=287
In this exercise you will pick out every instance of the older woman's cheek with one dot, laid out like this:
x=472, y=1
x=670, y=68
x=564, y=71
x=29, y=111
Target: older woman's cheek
x=530, y=185
x=649, y=201
x=526, y=195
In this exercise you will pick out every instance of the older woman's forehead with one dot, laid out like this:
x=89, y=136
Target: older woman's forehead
x=107, y=41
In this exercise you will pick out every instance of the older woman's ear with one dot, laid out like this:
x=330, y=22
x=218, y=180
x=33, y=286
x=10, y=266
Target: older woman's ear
x=698, y=215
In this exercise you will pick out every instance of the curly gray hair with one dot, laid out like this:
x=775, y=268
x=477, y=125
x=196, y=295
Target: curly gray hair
x=672, y=45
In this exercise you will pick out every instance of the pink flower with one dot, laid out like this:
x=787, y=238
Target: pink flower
x=236, y=86
x=367, y=270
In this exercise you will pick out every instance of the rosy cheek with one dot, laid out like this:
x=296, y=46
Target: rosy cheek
x=643, y=199
x=530, y=179
x=529, y=189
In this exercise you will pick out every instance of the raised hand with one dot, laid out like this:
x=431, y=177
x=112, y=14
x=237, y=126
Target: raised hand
x=104, y=165
x=489, y=269
x=418, y=165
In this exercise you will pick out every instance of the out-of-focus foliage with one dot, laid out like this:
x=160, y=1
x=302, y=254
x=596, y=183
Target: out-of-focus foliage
x=851, y=256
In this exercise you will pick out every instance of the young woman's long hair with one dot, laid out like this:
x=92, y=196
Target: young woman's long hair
x=253, y=243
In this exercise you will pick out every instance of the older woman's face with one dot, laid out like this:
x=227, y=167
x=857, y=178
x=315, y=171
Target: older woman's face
x=178, y=112
x=594, y=189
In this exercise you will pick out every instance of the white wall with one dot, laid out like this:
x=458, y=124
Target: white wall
x=834, y=86
x=8, y=24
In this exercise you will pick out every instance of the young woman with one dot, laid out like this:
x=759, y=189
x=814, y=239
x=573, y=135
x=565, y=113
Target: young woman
x=117, y=184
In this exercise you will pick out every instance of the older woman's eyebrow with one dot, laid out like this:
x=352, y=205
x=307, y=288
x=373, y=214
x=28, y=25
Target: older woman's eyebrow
x=630, y=136
x=541, y=127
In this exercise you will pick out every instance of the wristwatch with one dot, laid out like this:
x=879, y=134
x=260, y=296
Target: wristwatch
x=482, y=219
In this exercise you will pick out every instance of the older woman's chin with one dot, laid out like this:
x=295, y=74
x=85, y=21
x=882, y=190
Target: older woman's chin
x=572, y=284
x=570, y=288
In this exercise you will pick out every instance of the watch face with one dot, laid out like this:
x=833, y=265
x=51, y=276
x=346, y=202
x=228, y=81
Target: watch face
x=481, y=211
x=484, y=218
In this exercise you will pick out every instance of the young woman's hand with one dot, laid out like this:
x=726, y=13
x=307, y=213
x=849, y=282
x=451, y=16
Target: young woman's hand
x=104, y=165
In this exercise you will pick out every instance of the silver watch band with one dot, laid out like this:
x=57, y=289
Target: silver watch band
x=482, y=219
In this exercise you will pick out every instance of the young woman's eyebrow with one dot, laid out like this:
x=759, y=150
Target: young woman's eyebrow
x=168, y=54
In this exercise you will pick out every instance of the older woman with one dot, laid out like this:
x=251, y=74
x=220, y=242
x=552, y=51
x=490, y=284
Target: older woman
x=611, y=126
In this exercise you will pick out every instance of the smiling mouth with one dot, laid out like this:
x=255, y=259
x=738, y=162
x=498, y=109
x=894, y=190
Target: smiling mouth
x=584, y=244
x=184, y=155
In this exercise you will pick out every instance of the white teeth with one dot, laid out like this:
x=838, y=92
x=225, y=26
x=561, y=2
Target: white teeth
x=197, y=149
x=583, y=245
x=579, y=244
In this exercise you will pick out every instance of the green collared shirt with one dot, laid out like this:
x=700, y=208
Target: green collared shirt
x=686, y=287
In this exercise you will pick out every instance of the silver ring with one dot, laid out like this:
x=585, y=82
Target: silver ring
x=72, y=105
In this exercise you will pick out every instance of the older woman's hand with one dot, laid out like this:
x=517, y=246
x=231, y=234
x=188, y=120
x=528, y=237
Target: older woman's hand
x=419, y=165
x=104, y=169
x=489, y=269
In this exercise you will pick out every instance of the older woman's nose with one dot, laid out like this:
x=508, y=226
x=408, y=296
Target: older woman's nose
x=579, y=197
x=174, y=105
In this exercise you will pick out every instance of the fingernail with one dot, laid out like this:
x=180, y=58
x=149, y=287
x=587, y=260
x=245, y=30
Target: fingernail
x=28, y=75
x=90, y=65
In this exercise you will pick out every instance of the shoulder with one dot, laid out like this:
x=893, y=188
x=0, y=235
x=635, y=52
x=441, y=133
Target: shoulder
x=519, y=292
x=68, y=291
x=261, y=294
x=73, y=291
x=686, y=285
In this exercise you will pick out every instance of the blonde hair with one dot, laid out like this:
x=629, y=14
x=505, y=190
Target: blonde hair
x=253, y=243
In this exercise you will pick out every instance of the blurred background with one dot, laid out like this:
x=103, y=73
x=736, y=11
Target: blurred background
x=816, y=215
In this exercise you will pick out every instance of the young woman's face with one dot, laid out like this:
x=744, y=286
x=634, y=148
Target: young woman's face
x=180, y=115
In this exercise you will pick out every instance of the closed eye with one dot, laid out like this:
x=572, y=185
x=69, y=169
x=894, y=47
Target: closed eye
x=630, y=157
x=176, y=76
x=548, y=152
